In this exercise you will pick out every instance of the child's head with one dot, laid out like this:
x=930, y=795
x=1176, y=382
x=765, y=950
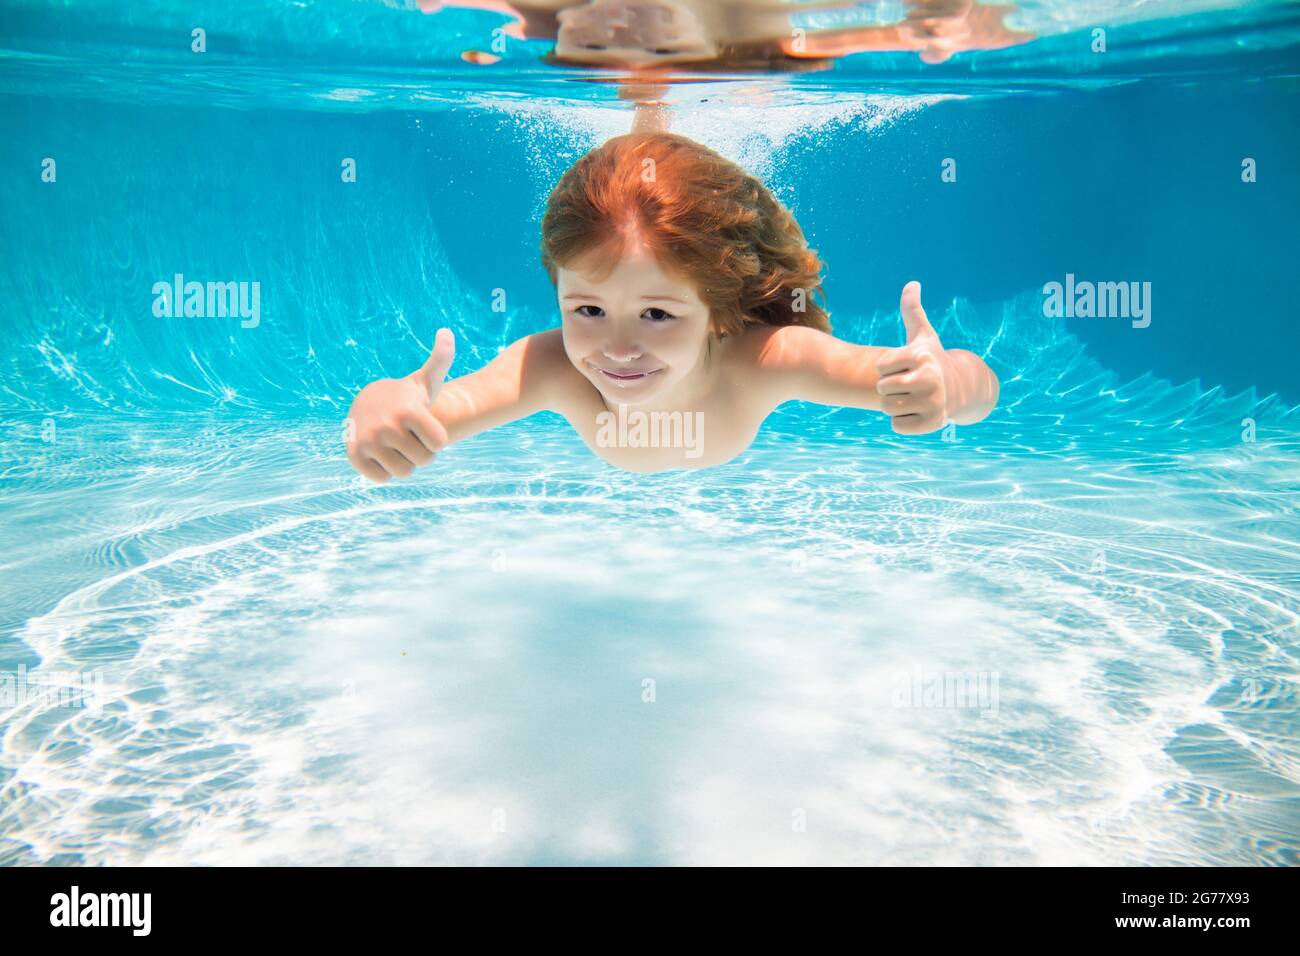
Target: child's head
x=652, y=217
x=667, y=34
x=632, y=33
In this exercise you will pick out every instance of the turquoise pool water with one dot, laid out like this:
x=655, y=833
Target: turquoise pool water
x=1068, y=635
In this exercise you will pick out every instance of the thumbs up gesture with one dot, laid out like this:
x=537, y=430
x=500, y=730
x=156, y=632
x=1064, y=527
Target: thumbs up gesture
x=912, y=381
x=433, y=373
x=391, y=429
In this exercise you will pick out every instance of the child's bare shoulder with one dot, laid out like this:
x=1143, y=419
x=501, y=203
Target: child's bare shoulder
x=546, y=364
x=764, y=362
x=548, y=347
x=771, y=347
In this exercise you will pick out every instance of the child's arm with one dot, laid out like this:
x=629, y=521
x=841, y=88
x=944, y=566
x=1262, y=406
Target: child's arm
x=935, y=28
x=921, y=386
x=399, y=424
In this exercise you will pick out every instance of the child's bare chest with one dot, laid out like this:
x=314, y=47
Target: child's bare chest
x=648, y=441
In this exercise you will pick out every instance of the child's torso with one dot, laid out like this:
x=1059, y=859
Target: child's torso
x=712, y=432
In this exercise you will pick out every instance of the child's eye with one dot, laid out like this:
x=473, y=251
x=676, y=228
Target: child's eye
x=652, y=314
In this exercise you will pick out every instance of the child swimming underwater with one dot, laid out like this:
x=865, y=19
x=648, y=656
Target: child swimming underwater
x=686, y=290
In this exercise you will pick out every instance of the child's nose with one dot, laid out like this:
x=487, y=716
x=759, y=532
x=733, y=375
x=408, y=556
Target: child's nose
x=622, y=352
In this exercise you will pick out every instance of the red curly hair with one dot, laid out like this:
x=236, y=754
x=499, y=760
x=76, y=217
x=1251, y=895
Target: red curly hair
x=699, y=214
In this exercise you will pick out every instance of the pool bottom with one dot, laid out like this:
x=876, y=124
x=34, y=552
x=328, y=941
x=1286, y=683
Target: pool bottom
x=835, y=650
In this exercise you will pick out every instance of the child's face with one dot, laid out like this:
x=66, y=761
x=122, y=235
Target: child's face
x=632, y=32
x=637, y=334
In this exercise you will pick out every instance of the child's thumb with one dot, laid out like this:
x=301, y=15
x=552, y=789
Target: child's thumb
x=914, y=318
x=434, y=371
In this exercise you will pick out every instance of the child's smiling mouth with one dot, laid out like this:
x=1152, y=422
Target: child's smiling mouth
x=625, y=376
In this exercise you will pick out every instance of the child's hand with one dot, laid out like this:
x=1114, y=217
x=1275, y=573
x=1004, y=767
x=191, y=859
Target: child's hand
x=912, y=380
x=392, y=429
x=939, y=27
